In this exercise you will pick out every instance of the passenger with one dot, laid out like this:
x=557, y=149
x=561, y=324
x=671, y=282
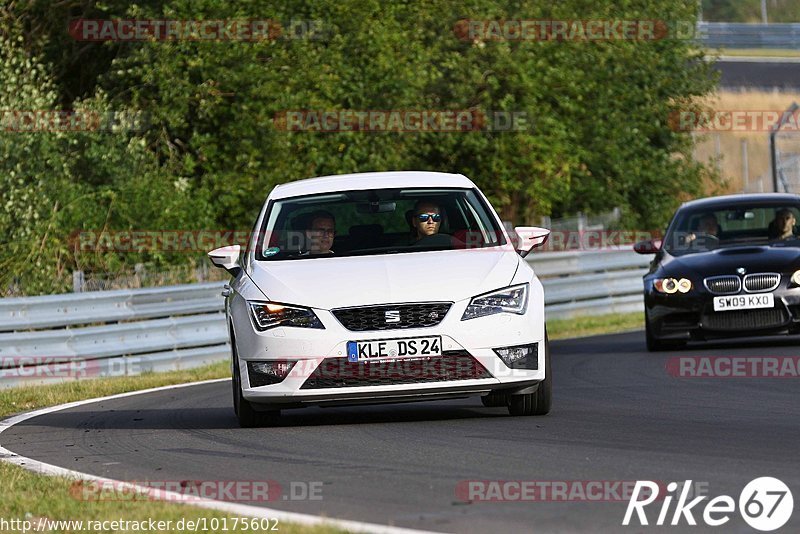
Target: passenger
x=320, y=232
x=783, y=225
x=426, y=220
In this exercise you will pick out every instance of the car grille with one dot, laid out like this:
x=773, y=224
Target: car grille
x=754, y=283
x=340, y=373
x=745, y=319
x=723, y=285
x=393, y=316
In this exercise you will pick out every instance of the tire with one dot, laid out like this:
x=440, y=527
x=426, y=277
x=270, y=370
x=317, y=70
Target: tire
x=538, y=402
x=495, y=399
x=653, y=344
x=248, y=416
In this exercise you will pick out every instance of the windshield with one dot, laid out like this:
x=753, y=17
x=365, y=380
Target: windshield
x=741, y=225
x=383, y=221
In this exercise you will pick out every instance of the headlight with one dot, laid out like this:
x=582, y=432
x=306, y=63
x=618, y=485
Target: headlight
x=796, y=278
x=512, y=299
x=271, y=314
x=672, y=285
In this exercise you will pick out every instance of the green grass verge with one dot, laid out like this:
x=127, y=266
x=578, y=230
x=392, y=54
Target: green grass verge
x=27, y=495
x=598, y=324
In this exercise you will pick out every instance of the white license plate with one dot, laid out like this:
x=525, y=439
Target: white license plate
x=359, y=351
x=744, y=302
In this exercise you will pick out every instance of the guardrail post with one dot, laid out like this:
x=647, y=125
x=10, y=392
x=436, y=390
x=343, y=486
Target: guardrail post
x=78, y=281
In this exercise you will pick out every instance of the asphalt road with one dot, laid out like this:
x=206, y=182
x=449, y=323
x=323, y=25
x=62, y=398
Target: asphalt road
x=618, y=416
x=759, y=73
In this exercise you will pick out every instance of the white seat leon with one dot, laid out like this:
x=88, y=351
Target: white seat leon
x=384, y=287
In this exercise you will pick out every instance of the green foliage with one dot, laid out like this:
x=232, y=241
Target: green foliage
x=596, y=134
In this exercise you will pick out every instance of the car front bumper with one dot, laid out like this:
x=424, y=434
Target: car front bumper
x=322, y=374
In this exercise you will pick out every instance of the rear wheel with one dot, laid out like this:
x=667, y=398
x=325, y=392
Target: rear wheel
x=538, y=402
x=248, y=416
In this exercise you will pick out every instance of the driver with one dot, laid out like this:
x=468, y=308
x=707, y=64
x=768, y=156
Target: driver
x=427, y=219
x=783, y=225
x=320, y=232
x=708, y=225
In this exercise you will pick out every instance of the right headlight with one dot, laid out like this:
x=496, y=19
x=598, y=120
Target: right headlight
x=513, y=299
x=795, y=280
x=268, y=315
x=672, y=285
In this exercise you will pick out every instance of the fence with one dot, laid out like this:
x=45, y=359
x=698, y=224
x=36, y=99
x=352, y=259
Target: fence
x=55, y=338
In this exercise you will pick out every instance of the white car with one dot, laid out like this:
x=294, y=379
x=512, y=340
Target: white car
x=384, y=287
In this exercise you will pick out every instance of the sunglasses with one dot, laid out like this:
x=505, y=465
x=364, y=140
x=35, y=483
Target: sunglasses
x=425, y=217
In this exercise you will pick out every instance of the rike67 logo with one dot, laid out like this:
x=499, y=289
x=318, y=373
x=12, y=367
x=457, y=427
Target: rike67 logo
x=765, y=504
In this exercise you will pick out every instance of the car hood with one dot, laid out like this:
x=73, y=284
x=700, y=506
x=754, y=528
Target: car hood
x=327, y=283
x=756, y=259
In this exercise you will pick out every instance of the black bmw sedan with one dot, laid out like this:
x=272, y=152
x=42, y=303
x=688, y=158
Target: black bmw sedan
x=728, y=266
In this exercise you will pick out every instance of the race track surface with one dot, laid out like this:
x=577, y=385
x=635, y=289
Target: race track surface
x=618, y=416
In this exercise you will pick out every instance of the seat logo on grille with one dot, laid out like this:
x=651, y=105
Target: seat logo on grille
x=392, y=316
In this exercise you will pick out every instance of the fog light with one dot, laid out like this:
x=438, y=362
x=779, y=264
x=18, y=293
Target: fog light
x=520, y=356
x=266, y=373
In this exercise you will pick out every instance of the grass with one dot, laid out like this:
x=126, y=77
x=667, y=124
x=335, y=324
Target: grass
x=28, y=398
x=595, y=325
x=29, y=496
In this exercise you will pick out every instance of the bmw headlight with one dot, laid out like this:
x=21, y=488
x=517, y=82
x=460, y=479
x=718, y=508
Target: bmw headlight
x=513, y=299
x=672, y=285
x=268, y=315
x=795, y=280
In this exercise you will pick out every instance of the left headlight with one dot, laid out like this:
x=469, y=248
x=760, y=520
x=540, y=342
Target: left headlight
x=672, y=285
x=795, y=280
x=268, y=315
x=513, y=299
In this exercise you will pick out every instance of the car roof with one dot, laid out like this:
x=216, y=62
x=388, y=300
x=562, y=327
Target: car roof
x=370, y=180
x=740, y=199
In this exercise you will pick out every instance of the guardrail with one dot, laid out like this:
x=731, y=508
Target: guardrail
x=55, y=338
x=785, y=36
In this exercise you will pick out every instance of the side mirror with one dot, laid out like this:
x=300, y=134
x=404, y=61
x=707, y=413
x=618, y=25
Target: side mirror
x=227, y=258
x=530, y=237
x=651, y=246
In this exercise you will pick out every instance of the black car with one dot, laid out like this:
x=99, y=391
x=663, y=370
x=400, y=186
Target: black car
x=727, y=266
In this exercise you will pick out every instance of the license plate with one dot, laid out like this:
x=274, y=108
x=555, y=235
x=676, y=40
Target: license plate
x=359, y=351
x=744, y=302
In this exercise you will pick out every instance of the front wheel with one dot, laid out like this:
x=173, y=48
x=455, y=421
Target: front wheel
x=247, y=415
x=538, y=402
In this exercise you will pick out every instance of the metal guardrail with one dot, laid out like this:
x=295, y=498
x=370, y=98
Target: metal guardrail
x=785, y=36
x=55, y=338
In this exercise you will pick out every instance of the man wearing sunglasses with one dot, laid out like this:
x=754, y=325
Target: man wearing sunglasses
x=427, y=219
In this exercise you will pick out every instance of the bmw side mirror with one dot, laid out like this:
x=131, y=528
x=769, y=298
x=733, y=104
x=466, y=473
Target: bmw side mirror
x=227, y=258
x=530, y=237
x=651, y=246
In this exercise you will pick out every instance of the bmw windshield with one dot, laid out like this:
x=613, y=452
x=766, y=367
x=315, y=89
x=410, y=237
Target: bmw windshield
x=370, y=222
x=702, y=230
